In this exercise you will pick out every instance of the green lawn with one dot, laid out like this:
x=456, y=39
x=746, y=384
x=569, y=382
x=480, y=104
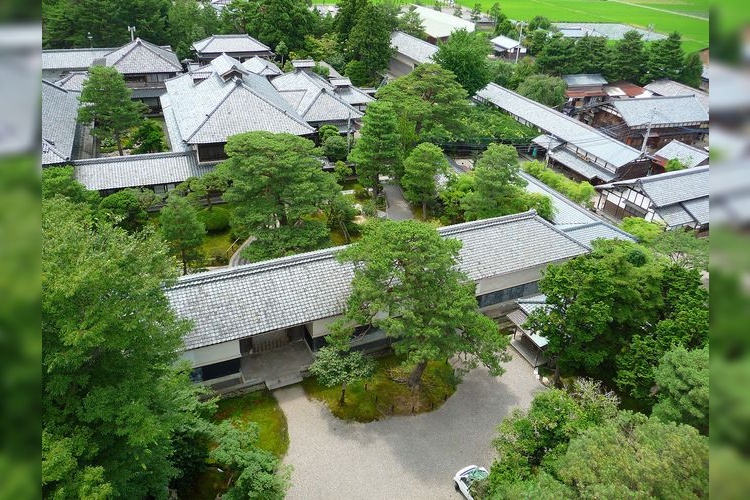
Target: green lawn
x=217, y=244
x=373, y=399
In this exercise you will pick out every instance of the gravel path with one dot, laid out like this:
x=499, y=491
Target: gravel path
x=400, y=457
x=397, y=208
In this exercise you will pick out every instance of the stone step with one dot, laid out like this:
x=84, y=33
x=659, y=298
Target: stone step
x=283, y=381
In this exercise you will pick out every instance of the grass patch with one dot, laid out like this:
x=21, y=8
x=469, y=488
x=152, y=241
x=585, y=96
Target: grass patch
x=262, y=408
x=351, y=184
x=386, y=393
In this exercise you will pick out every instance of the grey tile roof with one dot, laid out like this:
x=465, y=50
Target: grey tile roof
x=687, y=155
x=585, y=137
x=176, y=143
x=412, y=47
x=675, y=215
x=121, y=172
x=579, y=165
x=698, y=209
x=59, y=114
x=671, y=187
x=247, y=300
x=215, y=108
x=262, y=67
x=351, y=94
x=670, y=88
x=72, y=59
x=140, y=56
x=661, y=111
x=613, y=31
x=74, y=81
x=230, y=44
x=505, y=42
x=319, y=103
x=587, y=233
x=584, y=79
x=440, y=24
x=547, y=142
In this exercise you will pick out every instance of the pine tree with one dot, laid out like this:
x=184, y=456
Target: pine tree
x=628, y=59
x=665, y=58
x=182, y=230
x=421, y=167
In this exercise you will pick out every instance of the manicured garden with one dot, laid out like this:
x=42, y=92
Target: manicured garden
x=387, y=393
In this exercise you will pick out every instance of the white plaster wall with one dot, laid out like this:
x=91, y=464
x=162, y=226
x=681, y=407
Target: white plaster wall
x=213, y=354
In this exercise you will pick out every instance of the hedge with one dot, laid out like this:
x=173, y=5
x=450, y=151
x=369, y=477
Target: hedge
x=579, y=192
x=215, y=219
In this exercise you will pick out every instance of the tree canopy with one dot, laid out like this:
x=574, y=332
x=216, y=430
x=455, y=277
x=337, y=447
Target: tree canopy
x=683, y=381
x=277, y=184
x=378, y=150
x=105, y=102
x=421, y=167
x=406, y=283
x=182, y=230
x=465, y=54
x=544, y=89
x=369, y=43
x=271, y=21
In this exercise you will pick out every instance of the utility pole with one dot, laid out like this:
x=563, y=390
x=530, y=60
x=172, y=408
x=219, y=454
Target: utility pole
x=520, y=37
x=349, y=133
x=648, y=131
x=131, y=29
x=91, y=38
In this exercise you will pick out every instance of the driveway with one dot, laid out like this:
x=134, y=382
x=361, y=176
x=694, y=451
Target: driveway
x=400, y=457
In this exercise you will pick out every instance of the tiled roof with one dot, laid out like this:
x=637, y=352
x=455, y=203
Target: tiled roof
x=505, y=42
x=577, y=164
x=319, y=102
x=247, y=300
x=262, y=67
x=59, y=114
x=121, y=172
x=140, y=56
x=439, y=24
x=670, y=88
x=215, y=108
x=412, y=47
x=547, y=142
x=585, y=137
x=74, y=81
x=587, y=233
x=613, y=31
x=660, y=111
x=687, y=155
x=584, y=79
x=230, y=44
x=72, y=59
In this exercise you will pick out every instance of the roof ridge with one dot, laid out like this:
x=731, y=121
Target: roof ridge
x=256, y=267
x=137, y=157
x=273, y=104
x=466, y=226
x=148, y=46
x=230, y=90
x=52, y=147
x=680, y=143
x=54, y=85
x=133, y=45
x=676, y=173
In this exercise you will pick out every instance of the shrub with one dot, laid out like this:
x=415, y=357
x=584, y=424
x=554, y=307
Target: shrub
x=216, y=219
x=218, y=257
x=579, y=192
x=369, y=209
x=361, y=193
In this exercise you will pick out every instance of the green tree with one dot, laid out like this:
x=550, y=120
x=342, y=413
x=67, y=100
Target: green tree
x=536, y=40
x=340, y=213
x=149, y=138
x=112, y=399
x=673, y=165
x=642, y=229
x=277, y=184
x=683, y=248
x=189, y=21
x=182, y=230
x=428, y=102
x=327, y=131
x=369, y=43
x=592, y=54
x=682, y=379
x=498, y=184
x=124, y=209
x=540, y=23
x=204, y=188
x=406, y=282
x=282, y=51
x=456, y=189
x=335, y=148
x=465, y=54
x=378, y=151
x=336, y=364
x=692, y=70
x=350, y=11
x=476, y=12
x=105, y=102
x=421, y=167
x=61, y=181
x=665, y=58
x=635, y=457
x=496, y=13
x=628, y=59
x=270, y=21
x=342, y=171
x=411, y=23
x=458, y=10
x=557, y=56
x=525, y=68
x=255, y=473
x=502, y=72
x=544, y=89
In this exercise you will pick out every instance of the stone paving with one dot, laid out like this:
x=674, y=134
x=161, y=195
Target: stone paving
x=400, y=457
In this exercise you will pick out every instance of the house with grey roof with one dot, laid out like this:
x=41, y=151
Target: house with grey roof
x=408, y=53
x=59, y=124
x=239, y=46
x=202, y=109
x=262, y=67
x=507, y=48
x=657, y=120
x=439, y=25
x=315, y=98
x=584, y=152
x=670, y=88
x=159, y=172
x=678, y=199
x=581, y=224
x=73, y=81
x=611, y=31
x=240, y=311
x=688, y=155
x=584, y=89
x=56, y=63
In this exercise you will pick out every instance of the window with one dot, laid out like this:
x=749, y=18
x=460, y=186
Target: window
x=216, y=370
x=508, y=294
x=211, y=152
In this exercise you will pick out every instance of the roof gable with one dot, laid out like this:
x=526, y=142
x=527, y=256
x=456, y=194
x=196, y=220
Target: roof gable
x=412, y=47
x=140, y=56
x=237, y=43
x=662, y=111
x=59, y=115
x=686, y=154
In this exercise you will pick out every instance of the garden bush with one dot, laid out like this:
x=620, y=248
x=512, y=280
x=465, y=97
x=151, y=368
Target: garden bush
x=579, y=192
x=361, y=193
x=216, y=219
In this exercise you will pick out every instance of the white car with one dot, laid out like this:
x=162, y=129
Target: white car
x=463, y=479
